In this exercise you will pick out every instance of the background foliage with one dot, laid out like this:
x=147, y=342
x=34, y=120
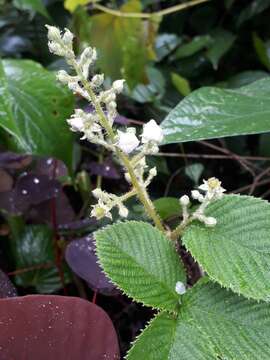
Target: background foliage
x=47, y=173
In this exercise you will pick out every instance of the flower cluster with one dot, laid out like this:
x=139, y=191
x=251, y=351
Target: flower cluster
x=97, y=126
x=212, y=190
x=105, y=204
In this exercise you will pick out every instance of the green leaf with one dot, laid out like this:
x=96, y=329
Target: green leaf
x=167, y=207
x=181, y=84
x=142, y=262
x=34, y=109
x=196, y=44
x=213, y=113
x=213, y=323
x=236, y=252
x=261, y=50
x=194, y=172
x=122, y=43
x=71, y=5
x=33, y=247
x=32, y=5
x=222, y=42
x=255, y=7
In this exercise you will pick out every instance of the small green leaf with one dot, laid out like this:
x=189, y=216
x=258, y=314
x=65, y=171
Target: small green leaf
x=194, y=172
x=142, y=262
x=196, y=44
x=222, y=42
x=213, y=112
x=236, y=252
x=32, y=5
x=181, y=84
x=213, y=323
x=254, y=7
x=167, y=207
x=71, y=5
x=261, y=50
x=31, y=247
x=34, y=109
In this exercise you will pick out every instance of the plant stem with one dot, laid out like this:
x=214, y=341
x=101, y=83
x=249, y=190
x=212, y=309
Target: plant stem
x=178, y=231
x=142, y=15
x=141, y=192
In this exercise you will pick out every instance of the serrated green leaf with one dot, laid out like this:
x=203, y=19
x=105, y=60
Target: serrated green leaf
x=167, y=207
x=142, y=262
x=34, y=109
x=213, y=113
x=213, y=323
x=236, y=252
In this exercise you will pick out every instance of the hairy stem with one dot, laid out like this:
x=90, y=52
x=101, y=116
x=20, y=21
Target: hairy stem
x=140, y=191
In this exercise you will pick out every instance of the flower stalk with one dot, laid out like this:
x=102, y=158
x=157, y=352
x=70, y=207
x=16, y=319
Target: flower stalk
x=92, y=125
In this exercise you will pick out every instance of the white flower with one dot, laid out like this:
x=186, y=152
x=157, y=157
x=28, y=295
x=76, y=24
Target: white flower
x=67, y=38
x=195, y=194
x=180, y=288
x=101, y=210
x=54, y=33
x=213, y=188
x=210, y=221
x=118, y=86
x=152, y=132
x=123, y=211
x=127, y=141
x=184, y=200
x=97, y=80
x=76, y=123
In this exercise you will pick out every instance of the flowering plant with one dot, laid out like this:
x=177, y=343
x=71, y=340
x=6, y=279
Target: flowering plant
x=202, y=322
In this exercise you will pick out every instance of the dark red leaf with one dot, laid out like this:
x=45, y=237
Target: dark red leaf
x=51, y=167
x=107, y=169
x=55, y=327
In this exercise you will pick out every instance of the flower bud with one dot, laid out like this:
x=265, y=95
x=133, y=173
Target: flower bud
x=67, y=38
x=195, y=194
x=76, y=123
x=152, y=132
x=63, y=76
x=127, y=141
x=210, y=221
x=118, y=86
x=53, y=33
x=184, y=200
x=180, y=288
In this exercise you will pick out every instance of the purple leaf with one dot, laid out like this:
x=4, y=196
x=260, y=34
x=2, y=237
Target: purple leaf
x=7, y=289
x=10, y=160
x=35, y=189
x=6, y=181
x=29, y=190
x=81, y=257
x=107, y=169
x=51, y=167
x=55, y=327
x=63, y=210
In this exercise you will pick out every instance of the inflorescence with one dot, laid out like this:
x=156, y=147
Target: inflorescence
x=98, y=128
